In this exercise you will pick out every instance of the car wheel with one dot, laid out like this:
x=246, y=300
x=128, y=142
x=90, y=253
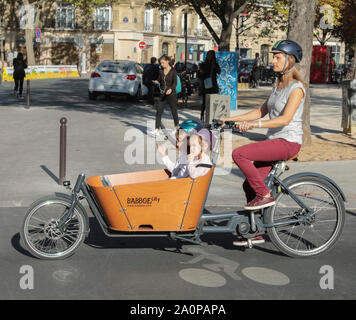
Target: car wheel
x=138, y=94
x=92, y=95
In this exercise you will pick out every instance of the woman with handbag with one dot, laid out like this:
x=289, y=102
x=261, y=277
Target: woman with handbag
x=208, y=73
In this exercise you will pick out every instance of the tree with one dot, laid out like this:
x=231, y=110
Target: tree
x=346, y=28
x=300, y=29
x=227, y=11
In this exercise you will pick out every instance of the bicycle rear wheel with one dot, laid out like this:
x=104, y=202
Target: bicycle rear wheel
x=316, y=236
x=40, y=232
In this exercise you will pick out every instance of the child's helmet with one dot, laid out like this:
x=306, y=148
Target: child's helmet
x=190, y=125
x=207, y=135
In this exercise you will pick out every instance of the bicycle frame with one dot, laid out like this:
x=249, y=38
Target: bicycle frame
x=233, y=219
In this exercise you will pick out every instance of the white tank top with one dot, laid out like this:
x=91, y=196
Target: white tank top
x=276, y=104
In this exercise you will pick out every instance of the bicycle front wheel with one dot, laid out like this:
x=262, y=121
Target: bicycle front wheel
x=320, y=233
x=42, y=236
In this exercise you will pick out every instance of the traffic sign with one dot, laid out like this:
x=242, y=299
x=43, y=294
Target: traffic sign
x=38, y=33
x=142, y=45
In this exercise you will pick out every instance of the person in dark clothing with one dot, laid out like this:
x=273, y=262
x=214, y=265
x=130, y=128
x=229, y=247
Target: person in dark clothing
x=208, y=76
x=19, y=74
x=256, y=71
x=167, y=80
x=150, y=74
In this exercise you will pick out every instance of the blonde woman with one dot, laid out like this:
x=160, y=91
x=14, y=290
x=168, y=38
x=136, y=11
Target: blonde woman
x=284, y=137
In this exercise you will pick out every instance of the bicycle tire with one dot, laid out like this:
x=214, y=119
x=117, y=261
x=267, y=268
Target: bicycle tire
x=48, y=233
x=278, y=234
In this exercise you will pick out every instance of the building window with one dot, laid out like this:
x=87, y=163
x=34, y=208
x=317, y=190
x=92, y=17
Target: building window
x=199, y=27
x=148, y=20
x=165, y=48
x=65, y=16
x=165, y=21
x=335, y=52
x=23, y=16
x=102, y=18
x=182, y=24
x=265, y=54
x=243, y=18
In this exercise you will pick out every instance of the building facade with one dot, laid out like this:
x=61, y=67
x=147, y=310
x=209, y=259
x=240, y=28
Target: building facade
x=112, y=32
x=130, y=30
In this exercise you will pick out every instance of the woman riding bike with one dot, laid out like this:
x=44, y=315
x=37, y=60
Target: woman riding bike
x=284, y=137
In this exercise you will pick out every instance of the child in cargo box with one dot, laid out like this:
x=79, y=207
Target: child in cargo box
x=193, y=160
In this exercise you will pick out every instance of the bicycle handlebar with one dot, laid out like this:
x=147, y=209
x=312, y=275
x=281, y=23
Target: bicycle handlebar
x=218, y=124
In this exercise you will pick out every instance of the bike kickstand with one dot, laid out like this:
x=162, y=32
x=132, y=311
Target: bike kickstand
x=249, y=243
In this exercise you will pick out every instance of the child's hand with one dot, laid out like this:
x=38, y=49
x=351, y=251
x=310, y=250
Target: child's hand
x=190, y=157
x=162, y=149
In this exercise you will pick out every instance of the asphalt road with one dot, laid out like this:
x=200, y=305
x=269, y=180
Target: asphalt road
x=153, y=268
x=140, y=268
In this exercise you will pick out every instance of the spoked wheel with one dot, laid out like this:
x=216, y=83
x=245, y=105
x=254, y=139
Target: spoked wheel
x=42, y=236
x=316, y=235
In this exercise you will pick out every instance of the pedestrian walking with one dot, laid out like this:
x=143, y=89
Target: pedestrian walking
x=256, y=71
x=208, y=77
x=1, y=70
x=285, y=128
x=150, y=74
x=167, y=79
x=19, y=74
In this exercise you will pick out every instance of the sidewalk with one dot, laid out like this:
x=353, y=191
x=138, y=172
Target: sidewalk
x=29, y=147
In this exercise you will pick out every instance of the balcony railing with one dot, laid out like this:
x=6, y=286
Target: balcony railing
x=167, y=29
x=102, y=25
x=149, y=28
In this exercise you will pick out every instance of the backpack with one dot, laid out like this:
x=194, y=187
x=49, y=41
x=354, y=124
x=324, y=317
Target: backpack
x=179, y=85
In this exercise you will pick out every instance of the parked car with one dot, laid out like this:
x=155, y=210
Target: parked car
x=118, y=77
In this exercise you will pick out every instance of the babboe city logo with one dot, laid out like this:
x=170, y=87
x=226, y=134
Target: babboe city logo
x=142, y=201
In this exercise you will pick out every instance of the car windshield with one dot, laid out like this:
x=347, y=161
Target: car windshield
x=115, y=67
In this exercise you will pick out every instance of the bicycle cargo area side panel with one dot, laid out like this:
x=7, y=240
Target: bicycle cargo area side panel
x=150, y=201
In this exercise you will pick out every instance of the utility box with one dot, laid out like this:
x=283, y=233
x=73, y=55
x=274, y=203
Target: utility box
x=217, y=106
x=348, y=121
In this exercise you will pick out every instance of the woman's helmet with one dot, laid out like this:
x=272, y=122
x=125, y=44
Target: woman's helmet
x=190, y=125
x=289, y=47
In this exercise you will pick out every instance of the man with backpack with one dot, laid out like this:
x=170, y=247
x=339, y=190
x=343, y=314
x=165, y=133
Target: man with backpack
x=150, y=74
x=19, y=74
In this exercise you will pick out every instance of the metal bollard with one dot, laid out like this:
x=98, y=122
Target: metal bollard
x=62, y=150
x=28, y=94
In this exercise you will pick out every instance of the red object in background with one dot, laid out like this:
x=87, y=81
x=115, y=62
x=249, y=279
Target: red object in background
x=216, y=48
x=130, y=77
x=142, y=45
x=321, y=64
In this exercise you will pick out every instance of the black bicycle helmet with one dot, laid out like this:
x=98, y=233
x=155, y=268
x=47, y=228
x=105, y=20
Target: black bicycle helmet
x=289, y=47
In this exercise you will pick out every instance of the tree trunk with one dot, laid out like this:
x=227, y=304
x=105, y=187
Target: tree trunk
x=224, y=44
x=300, y=29
x=29, y=33
x=354, y=71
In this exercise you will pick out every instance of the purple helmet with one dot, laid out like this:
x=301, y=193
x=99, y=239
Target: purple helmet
x=206, y=135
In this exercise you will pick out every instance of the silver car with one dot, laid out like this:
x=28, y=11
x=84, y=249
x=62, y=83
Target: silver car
x=118, y=77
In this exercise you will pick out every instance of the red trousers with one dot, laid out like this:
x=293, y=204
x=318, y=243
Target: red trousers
x=256, y=160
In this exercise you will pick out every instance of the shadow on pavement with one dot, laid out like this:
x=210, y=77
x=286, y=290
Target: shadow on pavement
x=16, y=244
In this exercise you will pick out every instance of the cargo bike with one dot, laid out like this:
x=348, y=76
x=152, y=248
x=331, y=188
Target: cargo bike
x=306, y=220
